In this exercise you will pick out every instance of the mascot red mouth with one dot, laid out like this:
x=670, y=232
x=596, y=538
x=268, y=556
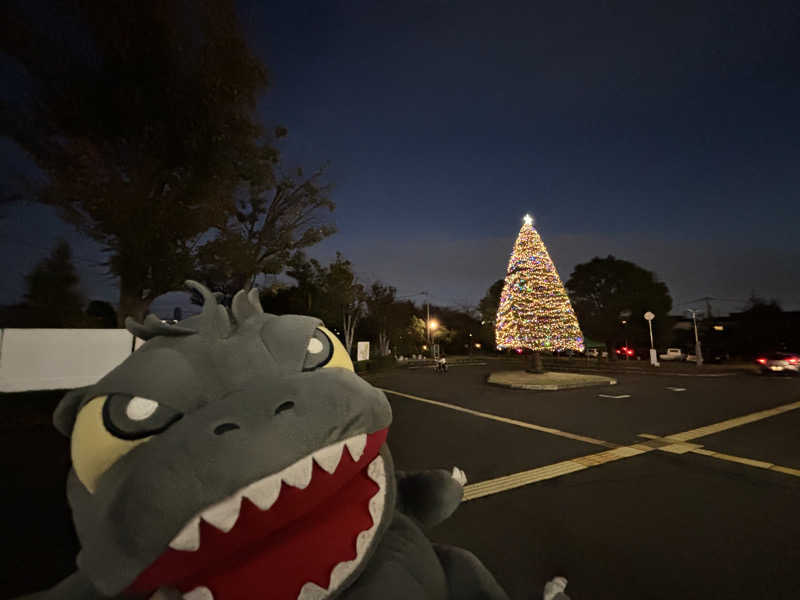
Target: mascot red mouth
x=295, y=535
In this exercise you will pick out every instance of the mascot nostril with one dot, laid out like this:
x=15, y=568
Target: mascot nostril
x=287, y=509
x=285, y=406
x=225, y=427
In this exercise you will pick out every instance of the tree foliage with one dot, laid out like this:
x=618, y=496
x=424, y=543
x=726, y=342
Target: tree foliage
x=270, y=224
x=489, y=304
x=53, y=294
x=607, y=291
x=331, y=293
x=141, y=117
x=102, y=314
x=380, y=301
x=387, y=319
x=344, y=298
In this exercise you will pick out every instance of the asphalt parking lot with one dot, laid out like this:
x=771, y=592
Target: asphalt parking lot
x=658, y=487
x=711, y=513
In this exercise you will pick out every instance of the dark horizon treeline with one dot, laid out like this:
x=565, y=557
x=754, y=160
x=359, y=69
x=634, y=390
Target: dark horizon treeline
x=354, y=310
x=360, y=311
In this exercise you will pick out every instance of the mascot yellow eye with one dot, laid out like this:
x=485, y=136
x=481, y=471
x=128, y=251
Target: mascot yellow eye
x=133, y=417
x=109, y=427
x=325, y=350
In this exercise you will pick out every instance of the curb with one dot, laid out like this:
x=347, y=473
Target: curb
x=553, y=387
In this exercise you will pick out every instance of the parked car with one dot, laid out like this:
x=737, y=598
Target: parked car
x=709, y=356
x=672, y=354
x=780, y=362
x=592, y=353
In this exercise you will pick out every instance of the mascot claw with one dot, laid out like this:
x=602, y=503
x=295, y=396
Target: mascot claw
x=459, y=476
x=554, y=589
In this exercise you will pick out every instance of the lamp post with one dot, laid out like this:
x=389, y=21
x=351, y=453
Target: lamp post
x=698, y=354
x=653, y=356
x=432, y=326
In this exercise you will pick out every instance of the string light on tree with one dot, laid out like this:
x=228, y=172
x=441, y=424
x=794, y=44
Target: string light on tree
x=535, y=312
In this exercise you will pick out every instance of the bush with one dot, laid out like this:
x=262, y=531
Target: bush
x=375, y=364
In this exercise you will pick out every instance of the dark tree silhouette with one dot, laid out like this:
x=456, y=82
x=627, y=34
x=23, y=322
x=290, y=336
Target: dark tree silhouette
x=102, y=313
x=489, y=304
x=607, y=291
x=53, y=292
x=272, y=222
x=141, y=116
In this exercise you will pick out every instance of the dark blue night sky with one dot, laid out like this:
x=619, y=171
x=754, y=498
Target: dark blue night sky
x=666, y=133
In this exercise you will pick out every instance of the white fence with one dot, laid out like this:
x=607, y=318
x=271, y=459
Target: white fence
x=51, y=359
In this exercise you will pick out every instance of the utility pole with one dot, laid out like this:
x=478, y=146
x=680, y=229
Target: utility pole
x=427, y=317
x=698, y=354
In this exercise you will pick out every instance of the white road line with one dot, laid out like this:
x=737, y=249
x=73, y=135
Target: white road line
x=678, y=445
x=550, y=430
x=703, y=374
x=676, y=389
x=612, y=396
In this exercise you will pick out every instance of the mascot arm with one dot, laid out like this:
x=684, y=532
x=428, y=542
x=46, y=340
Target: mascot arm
x=429, y=497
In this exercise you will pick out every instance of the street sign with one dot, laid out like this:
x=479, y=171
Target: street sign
x=649, y=316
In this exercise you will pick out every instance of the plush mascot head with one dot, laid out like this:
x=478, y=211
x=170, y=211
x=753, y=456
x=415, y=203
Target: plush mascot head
x=234, y=455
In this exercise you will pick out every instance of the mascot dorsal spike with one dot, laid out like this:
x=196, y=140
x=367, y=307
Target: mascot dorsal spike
x=245, y=305
x=214, y=318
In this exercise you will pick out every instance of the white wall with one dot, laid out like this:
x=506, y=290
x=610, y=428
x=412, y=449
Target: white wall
x=49, y=359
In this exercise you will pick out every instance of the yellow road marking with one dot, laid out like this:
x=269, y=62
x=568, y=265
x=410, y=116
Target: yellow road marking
x=678, y=445
x=550, y=430
x=515, y=480
x=675, y=447
x=738, y=459
x=787, y=470
x=693, y=434
x=683, y=448
x=760, y=464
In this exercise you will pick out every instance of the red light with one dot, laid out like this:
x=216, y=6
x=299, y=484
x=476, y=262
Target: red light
x=792, y=361
x=630, y=352
x=519, y=350
x=619, y=352
x=762, y=361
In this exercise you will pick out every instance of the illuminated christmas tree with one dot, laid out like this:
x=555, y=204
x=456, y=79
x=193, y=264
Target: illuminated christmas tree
x=535, y=312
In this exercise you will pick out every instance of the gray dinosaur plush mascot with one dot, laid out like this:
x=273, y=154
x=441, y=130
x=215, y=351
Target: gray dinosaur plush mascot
x=237, y=456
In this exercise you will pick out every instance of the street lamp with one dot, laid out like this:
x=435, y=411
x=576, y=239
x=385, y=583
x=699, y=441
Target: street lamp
x=698, y=354
x=432, y=326
x=653, y=356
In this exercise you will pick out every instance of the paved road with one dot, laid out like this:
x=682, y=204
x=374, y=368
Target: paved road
x=713, y=514
x=622, y=516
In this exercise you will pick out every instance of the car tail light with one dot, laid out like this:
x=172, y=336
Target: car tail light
x=629, y=352
x=618, y=352
x=762, y=361
x=792, y=361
